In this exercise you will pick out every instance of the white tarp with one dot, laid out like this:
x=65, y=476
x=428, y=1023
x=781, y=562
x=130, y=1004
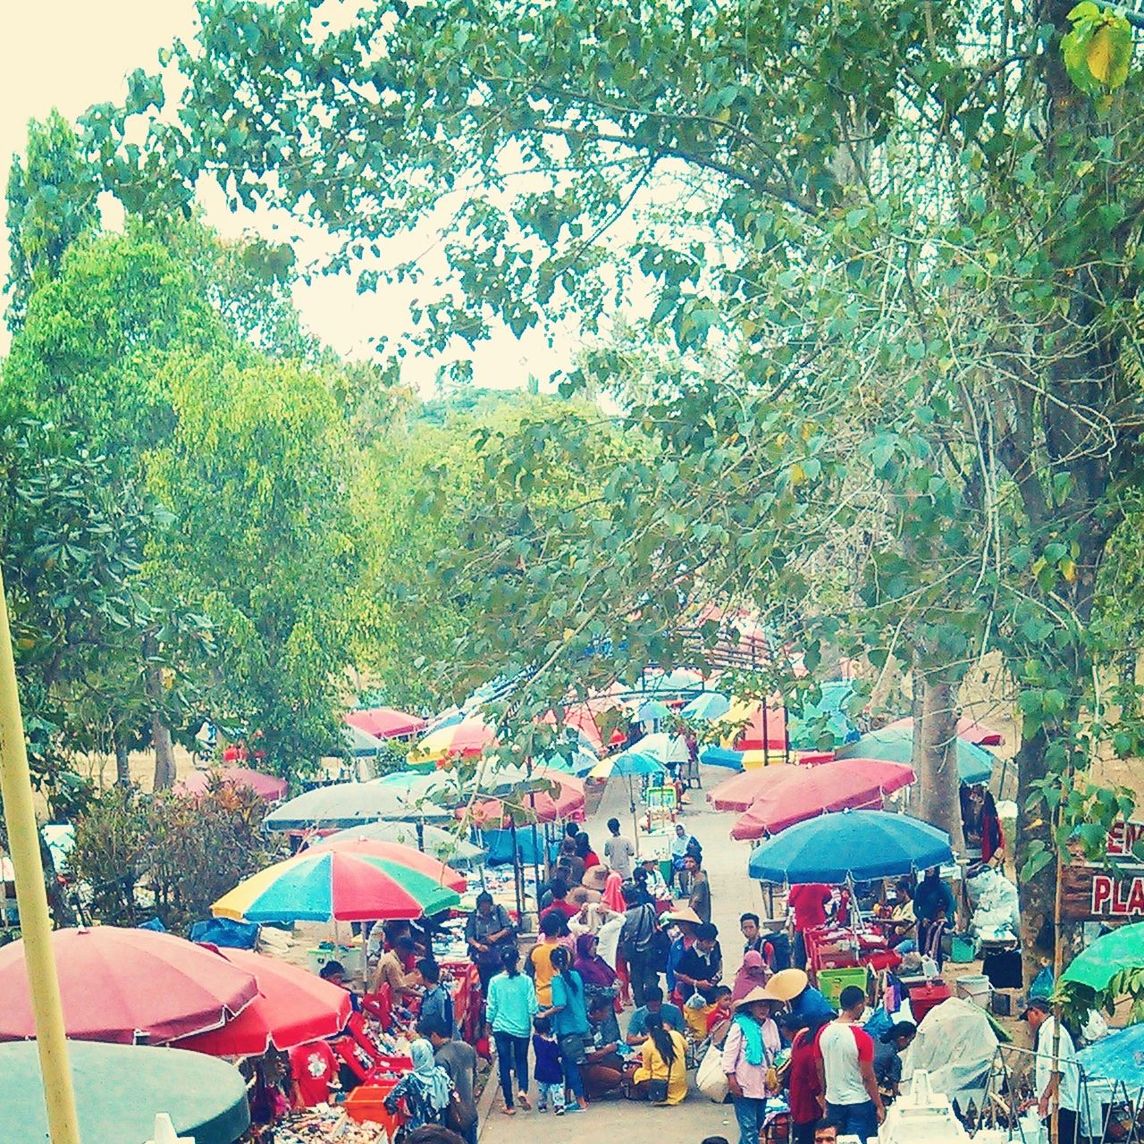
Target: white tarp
x=955, y=1043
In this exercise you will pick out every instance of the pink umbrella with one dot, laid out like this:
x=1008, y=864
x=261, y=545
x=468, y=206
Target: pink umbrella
x=385, y=722
x=968, y=729
x=116, y=983
x=564, y=801
x=582, y=717
x=268, y=787
x=798, y=793
x=293, y=1007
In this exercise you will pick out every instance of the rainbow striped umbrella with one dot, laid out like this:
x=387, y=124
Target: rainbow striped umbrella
x=351, y=881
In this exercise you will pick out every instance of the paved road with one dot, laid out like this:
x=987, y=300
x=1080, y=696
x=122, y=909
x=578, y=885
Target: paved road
x=612, y=1121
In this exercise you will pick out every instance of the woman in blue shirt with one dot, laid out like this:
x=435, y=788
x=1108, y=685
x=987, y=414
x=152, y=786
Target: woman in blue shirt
x=569, y=1013
x=511, y=1007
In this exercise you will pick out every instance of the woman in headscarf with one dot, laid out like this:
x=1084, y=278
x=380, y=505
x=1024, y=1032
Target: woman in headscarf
x=426, y=1090
x=753, y=974
x=598, y=976
x=613, y=893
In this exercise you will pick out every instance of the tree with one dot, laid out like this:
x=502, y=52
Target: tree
x=907, y=237
x=52, y=201
x=257, y=474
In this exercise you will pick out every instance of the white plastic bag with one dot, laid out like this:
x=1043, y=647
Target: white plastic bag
x=710, y=1079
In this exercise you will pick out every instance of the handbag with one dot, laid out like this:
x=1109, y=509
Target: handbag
x=657, y=1091
x=573, y=1048
x=458, y=1118
x=711, y=1080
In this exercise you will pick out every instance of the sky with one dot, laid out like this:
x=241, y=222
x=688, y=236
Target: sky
x=73, y=53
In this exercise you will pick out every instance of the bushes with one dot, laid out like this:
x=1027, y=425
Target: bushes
x=167, y=855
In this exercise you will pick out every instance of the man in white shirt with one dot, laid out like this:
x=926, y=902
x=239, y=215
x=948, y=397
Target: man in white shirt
x=619, y=851
x=846, y=1070
x=1054, y=1086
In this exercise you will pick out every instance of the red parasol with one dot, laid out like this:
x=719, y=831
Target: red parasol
x=794, y=794
x=267, y=787
x=115, y=983
x=293, y=1007
x=968, y=729
x=564, y=799
x=385, y=722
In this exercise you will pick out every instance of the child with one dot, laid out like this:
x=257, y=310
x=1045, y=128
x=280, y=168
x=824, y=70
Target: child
x=548, y=1069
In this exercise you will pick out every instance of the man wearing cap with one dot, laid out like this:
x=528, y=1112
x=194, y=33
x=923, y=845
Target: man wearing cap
x=1062, y=1085
x=846, y=1069
x=748, y=1061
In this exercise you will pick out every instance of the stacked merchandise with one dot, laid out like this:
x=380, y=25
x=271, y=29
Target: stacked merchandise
x=322, y=1122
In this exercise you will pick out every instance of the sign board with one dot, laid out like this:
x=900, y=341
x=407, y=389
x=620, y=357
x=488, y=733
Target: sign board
x=1113, y=891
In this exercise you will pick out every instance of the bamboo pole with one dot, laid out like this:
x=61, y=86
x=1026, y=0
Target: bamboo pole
x=32, y=899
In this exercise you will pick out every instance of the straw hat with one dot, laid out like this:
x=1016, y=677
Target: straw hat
x=581, y=895
x=686, y=914
x=759, y=993
x=595, y=878
x=787, y=984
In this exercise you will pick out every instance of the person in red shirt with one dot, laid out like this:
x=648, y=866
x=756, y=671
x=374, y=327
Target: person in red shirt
x=559, y=904
x=846, y=1069
x=585, y=852
x=804, y=1090
x=808, y=905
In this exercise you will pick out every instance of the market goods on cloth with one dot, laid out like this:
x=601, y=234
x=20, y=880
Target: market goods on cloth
x=116, y=982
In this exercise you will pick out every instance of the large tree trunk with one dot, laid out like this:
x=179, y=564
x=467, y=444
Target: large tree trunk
x=160, y=732
x=938, y=800
x=1038, y=893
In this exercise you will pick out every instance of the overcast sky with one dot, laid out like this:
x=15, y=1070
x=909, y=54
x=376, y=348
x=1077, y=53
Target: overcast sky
x=73, y=53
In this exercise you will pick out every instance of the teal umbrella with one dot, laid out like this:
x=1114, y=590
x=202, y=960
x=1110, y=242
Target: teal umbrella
x=896, y=745
x=708, y=706
x=119, y=1089
x=1116, y=952
x=630, y=763
x=653, y=711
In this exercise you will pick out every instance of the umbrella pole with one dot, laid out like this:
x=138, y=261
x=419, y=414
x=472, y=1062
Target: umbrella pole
x=32, y=899
x=421, y=835
x=632, y=800
x=517, y=881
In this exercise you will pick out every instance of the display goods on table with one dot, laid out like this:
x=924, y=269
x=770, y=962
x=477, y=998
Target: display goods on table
x=325, y=1123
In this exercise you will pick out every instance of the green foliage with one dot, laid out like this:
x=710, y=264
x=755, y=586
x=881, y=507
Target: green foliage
x=51, y=201
x=257, y=474
x=167, y=855
x=1098, y=50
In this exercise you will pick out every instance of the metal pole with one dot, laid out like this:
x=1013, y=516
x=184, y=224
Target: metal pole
x=32, y=899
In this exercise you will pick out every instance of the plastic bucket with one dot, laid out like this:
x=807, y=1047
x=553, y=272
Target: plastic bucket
x=975, y=987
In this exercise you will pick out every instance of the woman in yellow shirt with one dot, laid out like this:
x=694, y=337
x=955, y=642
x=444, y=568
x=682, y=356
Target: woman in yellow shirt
x=664, y=1058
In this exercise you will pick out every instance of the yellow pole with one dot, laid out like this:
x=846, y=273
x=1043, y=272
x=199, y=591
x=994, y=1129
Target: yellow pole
x=32, y=899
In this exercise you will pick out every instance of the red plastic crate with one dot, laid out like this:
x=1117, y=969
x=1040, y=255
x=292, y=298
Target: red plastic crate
x=923, y=998
x=367, y=1102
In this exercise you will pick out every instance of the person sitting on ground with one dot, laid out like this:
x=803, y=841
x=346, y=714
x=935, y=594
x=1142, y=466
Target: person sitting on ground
x=753, y=974
x=603, y=1068
x=653, y=880
x=700, y=900
x=888, y=1051
x=755, y=941
x=654, y=1006
x=619, y=851
x=538, y=963
x=403, y=986
x=700, y=969
x=663, y=1058
x=437, y=1003
x=459, y=1060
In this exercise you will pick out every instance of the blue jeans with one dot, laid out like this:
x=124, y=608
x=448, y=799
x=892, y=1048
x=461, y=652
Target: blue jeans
x=749, y=1112
x=512, y=1053
x=859, y=1120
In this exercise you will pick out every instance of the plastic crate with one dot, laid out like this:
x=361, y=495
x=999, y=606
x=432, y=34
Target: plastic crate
x=962, y=949
x=923, y=998
x=367, y=1102
x=831, y=982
